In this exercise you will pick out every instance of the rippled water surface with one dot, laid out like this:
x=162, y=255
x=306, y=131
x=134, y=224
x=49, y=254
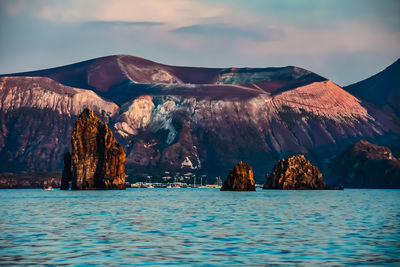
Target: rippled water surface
x=199, y=227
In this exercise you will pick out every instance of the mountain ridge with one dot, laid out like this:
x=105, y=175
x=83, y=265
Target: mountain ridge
x=101, y=74
x=381, y=89
x=166, y=124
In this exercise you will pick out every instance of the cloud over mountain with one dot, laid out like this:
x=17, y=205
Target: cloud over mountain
x=328, y=37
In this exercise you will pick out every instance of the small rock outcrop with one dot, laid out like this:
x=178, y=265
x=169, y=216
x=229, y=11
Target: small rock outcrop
x=97, y=159
x=240, y=178
x=365, y=165
x=295, y=173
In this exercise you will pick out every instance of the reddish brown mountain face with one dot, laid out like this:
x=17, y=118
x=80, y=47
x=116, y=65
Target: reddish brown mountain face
x=168, y=118
x=108, y=75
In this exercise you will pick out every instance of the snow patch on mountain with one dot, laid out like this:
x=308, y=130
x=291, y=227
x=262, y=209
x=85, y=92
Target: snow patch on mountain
x=187, y=164
x=42, y=93
x=136, y=116
x=162, y=115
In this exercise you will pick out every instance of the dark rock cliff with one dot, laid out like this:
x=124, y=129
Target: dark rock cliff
x=240, y=178
x=66, y=177
x=97, y=159
x=295, y=172
x=365, y=165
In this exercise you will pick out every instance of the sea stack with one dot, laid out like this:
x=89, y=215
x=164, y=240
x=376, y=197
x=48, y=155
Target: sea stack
x=97, y=159
x=240, y=178
x=295, y=173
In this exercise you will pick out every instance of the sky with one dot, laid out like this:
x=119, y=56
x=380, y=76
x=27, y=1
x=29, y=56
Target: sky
x=344, y=41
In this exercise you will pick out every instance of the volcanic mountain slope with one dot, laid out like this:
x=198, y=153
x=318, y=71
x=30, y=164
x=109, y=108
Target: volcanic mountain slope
x=382, y=89
x=120, y=78
x=180, y=118
x=36, y=117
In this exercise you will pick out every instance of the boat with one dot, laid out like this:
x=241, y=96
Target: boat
x=209, y=186
x=147, y=185
x=135, y=185
x=48, y=188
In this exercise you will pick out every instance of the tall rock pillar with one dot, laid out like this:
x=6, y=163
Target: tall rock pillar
x=97, y=159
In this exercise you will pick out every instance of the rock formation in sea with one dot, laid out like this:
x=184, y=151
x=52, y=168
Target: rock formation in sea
x=295, y=172
x=97, y=159
x=240, y=178
x=365, y=165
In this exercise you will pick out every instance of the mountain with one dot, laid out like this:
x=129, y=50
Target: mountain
x=382, y=89
x=366, y=165
x=37, y=115
x=180, y=119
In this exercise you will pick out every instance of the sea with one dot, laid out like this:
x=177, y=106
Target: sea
x=199, y=227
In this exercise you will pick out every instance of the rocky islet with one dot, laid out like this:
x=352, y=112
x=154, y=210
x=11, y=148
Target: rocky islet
x=97, y=159
x=240, y=178
x=295, y=173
